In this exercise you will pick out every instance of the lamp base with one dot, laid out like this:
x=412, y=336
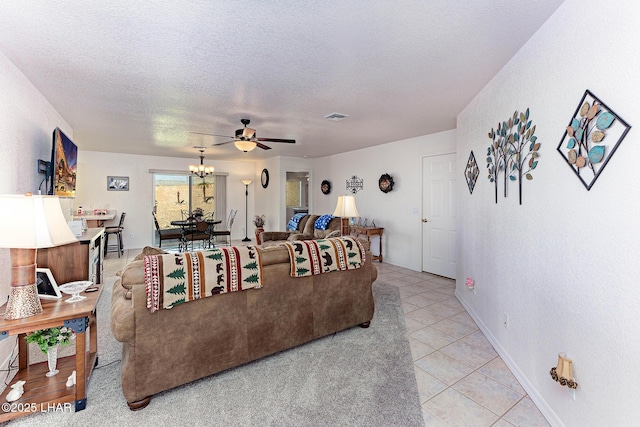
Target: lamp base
x=246, y=239
x=23, y=302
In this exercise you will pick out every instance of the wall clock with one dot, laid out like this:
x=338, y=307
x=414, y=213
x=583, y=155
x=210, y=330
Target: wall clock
x=325, y=187
x=264, y=178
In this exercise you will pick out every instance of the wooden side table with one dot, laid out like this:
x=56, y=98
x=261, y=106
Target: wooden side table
x=369, y=231
x=42, y=393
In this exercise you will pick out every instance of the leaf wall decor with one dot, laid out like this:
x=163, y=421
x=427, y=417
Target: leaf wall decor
x=513, y=152
x=591, y=137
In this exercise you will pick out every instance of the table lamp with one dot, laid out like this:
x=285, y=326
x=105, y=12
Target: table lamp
x=345, y=209
x=27, y=223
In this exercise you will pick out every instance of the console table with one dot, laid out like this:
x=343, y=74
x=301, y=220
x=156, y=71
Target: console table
x=41, y=393
x=369, y=231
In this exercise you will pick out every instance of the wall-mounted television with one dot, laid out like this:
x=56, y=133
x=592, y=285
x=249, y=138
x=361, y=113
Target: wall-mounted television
x=64, y=160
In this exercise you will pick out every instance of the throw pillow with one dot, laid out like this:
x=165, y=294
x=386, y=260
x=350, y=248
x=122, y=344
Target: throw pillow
x=321, y=222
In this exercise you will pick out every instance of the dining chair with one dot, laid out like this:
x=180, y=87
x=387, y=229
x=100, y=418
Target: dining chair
x=117, y=232
x=166, y=233
x=227, y=231
x=200, y=232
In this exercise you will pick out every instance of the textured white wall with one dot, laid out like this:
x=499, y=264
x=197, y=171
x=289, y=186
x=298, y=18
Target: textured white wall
x=27, y=121
x=564, y=264
x=399, y=211
x=92, y=193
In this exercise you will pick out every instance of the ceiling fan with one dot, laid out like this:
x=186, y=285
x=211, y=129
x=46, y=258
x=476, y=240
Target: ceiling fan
x=246, y=139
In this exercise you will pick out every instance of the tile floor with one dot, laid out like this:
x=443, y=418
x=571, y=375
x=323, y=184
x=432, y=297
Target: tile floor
x=461, y=379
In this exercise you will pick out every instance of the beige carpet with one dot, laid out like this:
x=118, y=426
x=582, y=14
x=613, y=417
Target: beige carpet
x=357, y=377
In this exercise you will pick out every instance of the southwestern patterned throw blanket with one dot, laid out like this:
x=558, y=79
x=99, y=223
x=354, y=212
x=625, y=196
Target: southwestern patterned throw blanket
x=172, y=279
x=311, y=257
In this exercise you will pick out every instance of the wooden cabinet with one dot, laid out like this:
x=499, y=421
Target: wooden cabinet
x=76, y=261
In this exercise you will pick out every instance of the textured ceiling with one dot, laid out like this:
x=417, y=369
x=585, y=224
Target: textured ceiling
x=139, y=76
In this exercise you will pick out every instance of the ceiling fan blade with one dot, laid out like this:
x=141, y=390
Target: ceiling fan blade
x=288, y=141
x=264, y=147
x=210, y=134
x=222, y=143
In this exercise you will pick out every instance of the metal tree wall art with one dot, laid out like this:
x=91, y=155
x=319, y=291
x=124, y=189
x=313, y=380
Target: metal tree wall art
x=512, y=144
x=471, y=172
x=591, y=138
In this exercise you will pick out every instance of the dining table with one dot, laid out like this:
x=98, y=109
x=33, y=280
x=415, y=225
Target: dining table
x=188, y=226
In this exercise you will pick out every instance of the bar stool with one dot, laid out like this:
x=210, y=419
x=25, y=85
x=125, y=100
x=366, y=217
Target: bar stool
x=117, y=231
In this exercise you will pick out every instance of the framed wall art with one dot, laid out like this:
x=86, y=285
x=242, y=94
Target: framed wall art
x=118, y=183
x=591, y=137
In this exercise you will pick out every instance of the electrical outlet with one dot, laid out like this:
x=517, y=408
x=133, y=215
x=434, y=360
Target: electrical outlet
x=505, y=320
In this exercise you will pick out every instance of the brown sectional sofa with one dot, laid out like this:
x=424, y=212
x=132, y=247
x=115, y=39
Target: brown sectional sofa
x=305, y=231
x=169, y=348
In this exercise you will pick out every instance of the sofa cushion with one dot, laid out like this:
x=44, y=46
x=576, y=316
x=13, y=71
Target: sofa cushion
x=309, y=225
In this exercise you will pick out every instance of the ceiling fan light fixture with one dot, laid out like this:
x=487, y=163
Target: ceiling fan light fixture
x=245, y=146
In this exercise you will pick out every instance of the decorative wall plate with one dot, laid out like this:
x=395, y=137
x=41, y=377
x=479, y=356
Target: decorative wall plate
x=264, y=178
x=385, y=183
x=592, y=136
x=325, y=187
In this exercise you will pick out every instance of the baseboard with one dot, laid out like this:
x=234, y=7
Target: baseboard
x=533, y=393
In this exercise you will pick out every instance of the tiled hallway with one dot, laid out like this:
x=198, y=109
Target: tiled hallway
x=461, y=379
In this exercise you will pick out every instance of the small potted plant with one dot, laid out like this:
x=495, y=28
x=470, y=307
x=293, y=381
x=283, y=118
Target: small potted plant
x=258, y=221
x=48, y=341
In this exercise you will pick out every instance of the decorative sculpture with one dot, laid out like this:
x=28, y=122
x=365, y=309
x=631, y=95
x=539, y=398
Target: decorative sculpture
x=16, y=392
x=71, y=380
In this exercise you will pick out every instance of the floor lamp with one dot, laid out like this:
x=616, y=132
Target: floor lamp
x=246, y=183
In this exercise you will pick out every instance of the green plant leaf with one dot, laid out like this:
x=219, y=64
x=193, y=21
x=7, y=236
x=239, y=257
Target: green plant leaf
x=512, y=178
x=596, y=154
x=529, y=176
x=605, y=120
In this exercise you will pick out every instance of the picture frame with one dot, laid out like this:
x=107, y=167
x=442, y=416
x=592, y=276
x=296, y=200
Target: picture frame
x=118, y=183
x=46, y=283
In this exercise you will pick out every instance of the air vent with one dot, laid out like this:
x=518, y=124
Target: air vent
x=336, y=117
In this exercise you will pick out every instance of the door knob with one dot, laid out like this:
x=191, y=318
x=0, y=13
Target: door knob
x=425, y=220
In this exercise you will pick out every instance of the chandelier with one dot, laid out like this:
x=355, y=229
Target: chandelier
x=201, y=170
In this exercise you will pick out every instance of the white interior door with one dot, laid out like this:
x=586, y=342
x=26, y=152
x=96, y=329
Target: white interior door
x=439, y=215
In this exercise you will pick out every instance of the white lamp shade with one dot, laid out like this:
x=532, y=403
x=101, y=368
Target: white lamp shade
x=32, y=222
x=247, y=181
x=346, y=207
x=244, y=145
